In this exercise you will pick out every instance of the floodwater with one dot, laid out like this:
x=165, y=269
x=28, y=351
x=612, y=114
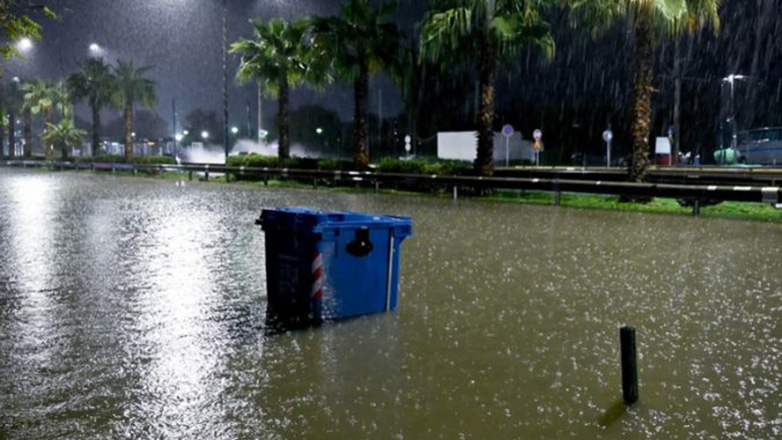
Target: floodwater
x=135, y=308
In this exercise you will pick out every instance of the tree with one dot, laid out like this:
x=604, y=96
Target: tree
x=648, y=19
x=16, y=24
x=132, y=86
x=198, y=121
x=491, y=32
x=41, y=96
x=360, y=43
x=63, y=136
x=278, y=58
x=96, y=84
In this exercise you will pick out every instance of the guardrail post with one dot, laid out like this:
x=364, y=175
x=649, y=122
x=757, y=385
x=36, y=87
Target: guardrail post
x=696, y=207
x=455, y=192
x=206, y=174
x=629, y=365
x=190, y=175
x=377, y=186
x=557, y=198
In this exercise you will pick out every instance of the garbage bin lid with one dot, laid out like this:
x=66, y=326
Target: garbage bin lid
x=305, y=220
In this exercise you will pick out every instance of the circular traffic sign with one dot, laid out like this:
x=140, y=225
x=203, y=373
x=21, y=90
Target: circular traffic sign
x=537, y=135
x=608, y=135
x=507, y=130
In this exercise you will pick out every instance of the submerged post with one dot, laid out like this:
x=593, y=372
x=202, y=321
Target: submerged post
x=629, y=365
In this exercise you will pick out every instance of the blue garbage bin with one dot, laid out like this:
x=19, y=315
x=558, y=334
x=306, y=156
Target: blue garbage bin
x=331, y=265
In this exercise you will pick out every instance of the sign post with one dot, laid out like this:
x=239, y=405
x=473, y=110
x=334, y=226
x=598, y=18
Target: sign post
x=538, y=145
x=507, y=131
x=408, y=144
x=608, y=136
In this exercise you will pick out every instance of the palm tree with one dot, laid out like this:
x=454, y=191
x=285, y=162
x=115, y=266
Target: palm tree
x=361, y=42
x=37, y=97
x=279, y=58
x=649, y=18
x=95, y=82
x=63, y=136
x=490, y=32
x=132, y=86
x=41, y=96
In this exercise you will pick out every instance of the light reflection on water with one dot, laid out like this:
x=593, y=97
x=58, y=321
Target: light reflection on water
x=135, y=308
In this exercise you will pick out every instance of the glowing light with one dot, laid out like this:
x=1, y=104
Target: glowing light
x=24, y=44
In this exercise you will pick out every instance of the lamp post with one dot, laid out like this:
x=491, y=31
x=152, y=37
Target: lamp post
x=731, y=79
x=225, y=77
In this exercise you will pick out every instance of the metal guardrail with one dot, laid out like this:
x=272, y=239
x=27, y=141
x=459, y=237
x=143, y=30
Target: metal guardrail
x=706, y=175
x=697, y=194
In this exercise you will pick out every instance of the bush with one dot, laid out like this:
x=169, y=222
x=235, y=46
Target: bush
x=421, y=166
x=111, y=158
x=148, y=160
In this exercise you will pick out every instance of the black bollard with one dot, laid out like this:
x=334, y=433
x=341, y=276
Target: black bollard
x=629, y=365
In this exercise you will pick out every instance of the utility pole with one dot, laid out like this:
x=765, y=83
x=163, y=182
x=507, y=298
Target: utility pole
x=225, y=78
x=260, y=112
x=173, y=110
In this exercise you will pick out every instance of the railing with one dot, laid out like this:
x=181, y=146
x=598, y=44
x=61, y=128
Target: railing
x=697, y=194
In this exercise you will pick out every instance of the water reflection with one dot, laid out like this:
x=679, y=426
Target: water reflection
x=143, y=316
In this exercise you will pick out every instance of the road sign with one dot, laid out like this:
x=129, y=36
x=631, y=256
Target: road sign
x=507, y=130
x=537, y=135
x=408, y=143
x=537, y=145
x=608, y=135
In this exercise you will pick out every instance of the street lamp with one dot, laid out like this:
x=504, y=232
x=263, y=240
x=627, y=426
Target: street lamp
x=24, y=44
x=731, y=79
x=95, y=48
x=185, y=132
x=319, y=130
x=179, y=137
x=235, y=130
x=205, y=135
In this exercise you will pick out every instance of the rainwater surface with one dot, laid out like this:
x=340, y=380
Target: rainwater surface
x=135, y=308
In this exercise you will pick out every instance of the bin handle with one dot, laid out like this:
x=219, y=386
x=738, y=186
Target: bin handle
x=360, y=246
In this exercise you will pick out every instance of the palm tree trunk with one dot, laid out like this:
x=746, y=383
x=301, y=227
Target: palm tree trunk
x=28, y=133
x=360, y=90
x=11, y=134
x=95, y=126
x=677, y=102
x=48, y=119
x=642, y=90
x=128, y=131
x=283, y=125
x=484, y=161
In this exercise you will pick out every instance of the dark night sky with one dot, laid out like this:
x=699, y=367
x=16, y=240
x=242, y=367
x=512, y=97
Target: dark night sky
x=574, y=96
x=181, y=39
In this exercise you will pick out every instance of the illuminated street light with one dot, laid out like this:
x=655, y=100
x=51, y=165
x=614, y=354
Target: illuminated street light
x=319, y=130
x=235, y=130
x=94, y=48
x=179, y=137
x=185, y=132
x=24, y=44
x=205, y=135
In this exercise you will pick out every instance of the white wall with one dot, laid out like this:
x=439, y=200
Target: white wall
x=462, y=145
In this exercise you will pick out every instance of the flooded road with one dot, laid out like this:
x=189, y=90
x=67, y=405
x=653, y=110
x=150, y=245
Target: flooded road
x=134, y=308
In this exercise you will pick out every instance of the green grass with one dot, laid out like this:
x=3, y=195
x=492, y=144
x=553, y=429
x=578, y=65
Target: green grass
x=735, y=210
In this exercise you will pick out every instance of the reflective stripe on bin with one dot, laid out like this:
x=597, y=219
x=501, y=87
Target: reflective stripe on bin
x=318, y=276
